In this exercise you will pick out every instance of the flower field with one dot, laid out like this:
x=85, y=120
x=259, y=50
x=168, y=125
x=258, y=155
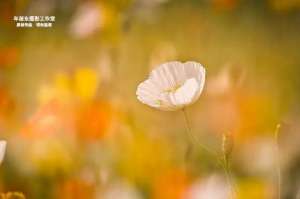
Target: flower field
x=150, y=99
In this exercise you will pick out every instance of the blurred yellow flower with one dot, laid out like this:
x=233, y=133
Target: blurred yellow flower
x=253, y=189
x=82, y=84
x=86, y=82
x=50, y=157
x=142, y=159
x=254, y=114
x=12, y=195
x=63, y=86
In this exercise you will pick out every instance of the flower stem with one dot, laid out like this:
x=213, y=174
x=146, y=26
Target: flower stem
x=192, y=138
x=227, y=170
x=189, y=139
x=224, y=162
x=278, y=168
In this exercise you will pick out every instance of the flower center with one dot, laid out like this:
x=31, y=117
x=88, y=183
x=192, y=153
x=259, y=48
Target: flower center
x=173, y=89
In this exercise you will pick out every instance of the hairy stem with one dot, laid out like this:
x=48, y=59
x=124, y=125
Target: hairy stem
x=223, y=162
x=192, y=140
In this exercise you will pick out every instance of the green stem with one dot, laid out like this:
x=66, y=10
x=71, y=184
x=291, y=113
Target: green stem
x=192, y=138
x=227, y=170
x=189, y=139
x=278, y=168
x=278, y=174
x=225, y=163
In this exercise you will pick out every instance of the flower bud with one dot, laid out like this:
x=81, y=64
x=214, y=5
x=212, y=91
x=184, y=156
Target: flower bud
x=227, y=145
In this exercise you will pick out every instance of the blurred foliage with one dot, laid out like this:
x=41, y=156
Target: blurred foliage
x=76, y=130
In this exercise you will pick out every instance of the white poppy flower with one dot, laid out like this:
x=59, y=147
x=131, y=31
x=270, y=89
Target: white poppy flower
x=2, y=149
x=172, y=86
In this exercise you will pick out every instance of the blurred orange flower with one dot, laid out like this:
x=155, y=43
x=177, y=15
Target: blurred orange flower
x=9, y=56
x=255, y=114
x=171, y=185
x=75, y=189
x=50, y=119
x=94, y=120
x=6, y=101
x=7, y=106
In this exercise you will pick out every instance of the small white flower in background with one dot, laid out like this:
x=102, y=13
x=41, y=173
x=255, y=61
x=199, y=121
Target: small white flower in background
x=172, y=85
x=220, y=83
x=2, y=149
x=213, y=187
x=120, y=190
x=87, y=20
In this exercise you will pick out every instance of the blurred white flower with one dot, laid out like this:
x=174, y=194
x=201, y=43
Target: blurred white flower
x=221, y=83
x=43, y=7
x=214, y=187
x=263, y=148
x=105, y=66
x=2, y=149
x=227, y=79
x=121, y=190
x=87, y=20
x=172, y=86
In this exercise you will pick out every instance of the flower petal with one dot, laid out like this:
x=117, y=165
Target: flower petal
x=167, y=102
x=148, y=93
x=187, y=93
x=172, y=74
x=169, y=75
x=197, y=71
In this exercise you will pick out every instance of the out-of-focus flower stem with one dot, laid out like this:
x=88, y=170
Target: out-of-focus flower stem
x=227, y=147
x=227, y=169
x=278, y=168
x=191, y=139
